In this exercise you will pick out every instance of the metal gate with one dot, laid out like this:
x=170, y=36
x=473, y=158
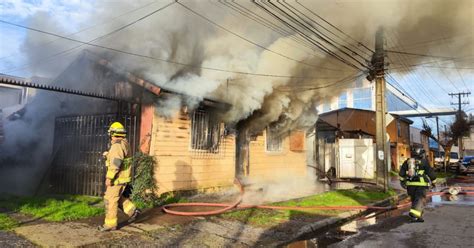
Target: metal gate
x=78, y=167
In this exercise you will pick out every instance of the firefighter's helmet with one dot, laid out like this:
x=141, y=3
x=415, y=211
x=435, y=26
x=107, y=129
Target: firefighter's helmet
x=418, y=152
x=117, y=130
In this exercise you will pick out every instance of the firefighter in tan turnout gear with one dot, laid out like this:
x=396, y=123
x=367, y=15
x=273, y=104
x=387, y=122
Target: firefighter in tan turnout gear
x=119, y=173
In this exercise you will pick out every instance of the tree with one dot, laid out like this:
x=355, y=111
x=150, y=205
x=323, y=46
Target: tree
x=458, y=129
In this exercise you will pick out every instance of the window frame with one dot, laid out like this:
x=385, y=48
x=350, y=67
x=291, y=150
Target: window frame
x=210, y=140
x=268, y=137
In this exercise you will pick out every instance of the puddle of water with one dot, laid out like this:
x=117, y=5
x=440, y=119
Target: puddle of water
x=345, y=231
x=438, y=200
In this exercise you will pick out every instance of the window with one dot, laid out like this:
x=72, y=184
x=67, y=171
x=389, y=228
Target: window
x=343, y=100
x=362, y=98
x=205, y=131
x=273, y=140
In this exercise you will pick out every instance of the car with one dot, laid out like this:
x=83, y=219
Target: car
x=466, y=165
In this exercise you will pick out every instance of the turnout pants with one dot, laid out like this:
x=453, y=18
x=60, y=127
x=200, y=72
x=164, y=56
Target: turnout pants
x=418, y=199
x=114, y=200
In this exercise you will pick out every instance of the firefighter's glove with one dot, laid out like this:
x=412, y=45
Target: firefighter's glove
x=403, y=184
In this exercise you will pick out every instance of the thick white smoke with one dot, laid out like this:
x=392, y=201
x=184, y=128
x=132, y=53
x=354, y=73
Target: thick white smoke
x=177, y=35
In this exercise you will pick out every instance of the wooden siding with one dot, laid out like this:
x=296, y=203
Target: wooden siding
x=273, y=165
x=180, y=167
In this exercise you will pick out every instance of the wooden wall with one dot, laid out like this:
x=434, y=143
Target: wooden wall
x=273, y=165
x=180, y=167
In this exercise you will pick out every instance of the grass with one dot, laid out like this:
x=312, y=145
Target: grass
x=444, y=174
x=265, y=217
x=58, y=208
x=7, y=223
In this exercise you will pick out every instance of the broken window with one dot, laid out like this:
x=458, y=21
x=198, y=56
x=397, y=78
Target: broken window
x=274, y=141
x=205, y=131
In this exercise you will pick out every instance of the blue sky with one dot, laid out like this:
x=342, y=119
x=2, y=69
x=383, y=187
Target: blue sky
x=428, y=85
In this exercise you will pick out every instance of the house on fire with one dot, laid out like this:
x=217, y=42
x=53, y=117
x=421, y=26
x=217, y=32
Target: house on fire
x=194, y=149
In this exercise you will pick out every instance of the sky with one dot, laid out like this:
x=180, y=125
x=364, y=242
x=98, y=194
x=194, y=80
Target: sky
x=428, y=85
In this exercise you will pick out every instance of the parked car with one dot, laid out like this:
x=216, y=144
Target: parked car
x=466, y=165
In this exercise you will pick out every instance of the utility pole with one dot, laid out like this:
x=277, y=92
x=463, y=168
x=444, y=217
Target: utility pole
x=460, y=95
x=437, y=133
x=445, y=142
x=378, y=64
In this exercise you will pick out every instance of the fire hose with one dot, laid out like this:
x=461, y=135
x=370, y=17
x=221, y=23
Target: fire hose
x=236, y=204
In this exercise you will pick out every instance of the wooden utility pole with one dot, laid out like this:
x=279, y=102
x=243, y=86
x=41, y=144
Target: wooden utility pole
x=378, y=64
x=437, y=134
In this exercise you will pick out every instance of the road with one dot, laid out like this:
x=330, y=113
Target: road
x=447, y=224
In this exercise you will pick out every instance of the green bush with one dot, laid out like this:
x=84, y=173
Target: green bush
x=144, y=186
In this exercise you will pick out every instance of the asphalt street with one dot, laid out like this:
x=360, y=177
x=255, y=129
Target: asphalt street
x=446, y=225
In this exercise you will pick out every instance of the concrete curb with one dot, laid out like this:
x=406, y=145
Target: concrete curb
x=326, y=224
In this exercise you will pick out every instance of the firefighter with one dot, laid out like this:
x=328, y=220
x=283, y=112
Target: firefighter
x=118, y=175
x=416, y=176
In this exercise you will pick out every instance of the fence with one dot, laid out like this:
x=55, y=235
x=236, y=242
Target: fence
x=78, y=167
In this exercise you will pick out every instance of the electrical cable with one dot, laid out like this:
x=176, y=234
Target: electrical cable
x=329, y=31
x=414, y=76
x=335, y=27
x=87, y=28
x=82, y=42
x=153, y=58
x=266, y=23
x=251, y=42
x=316, y=33
x=311, y=40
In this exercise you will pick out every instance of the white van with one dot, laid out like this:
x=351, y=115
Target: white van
x=453, y=156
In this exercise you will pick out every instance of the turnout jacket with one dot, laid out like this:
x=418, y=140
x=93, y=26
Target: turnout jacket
x=118, y=162
x=422, y=175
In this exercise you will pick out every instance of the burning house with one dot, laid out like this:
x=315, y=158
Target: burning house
x=194, y=148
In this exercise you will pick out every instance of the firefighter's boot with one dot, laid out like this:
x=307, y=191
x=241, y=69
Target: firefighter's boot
x=134, y=216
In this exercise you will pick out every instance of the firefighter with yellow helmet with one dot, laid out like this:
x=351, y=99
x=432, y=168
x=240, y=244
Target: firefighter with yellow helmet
x=119, y=174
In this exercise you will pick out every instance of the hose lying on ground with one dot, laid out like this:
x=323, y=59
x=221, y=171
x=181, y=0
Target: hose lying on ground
x=237, y=205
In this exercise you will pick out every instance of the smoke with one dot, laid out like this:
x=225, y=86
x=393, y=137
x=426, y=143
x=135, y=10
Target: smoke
x=280, y=187
x=178, y=35
x=444, y=28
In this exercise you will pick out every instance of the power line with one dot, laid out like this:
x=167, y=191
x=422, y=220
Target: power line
x=262, y=21
x=316, y=43
x=344, y=80
x=89, y=42
x=266, y=23
x=418, y=54
x=251, y=42
x=457, y=70
x=423, y=43
x=414, y=76
x=290, y=8
x=87, y=28
x=335, y=27
x=467, y=57
x=323, y=37
x=157, y=59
